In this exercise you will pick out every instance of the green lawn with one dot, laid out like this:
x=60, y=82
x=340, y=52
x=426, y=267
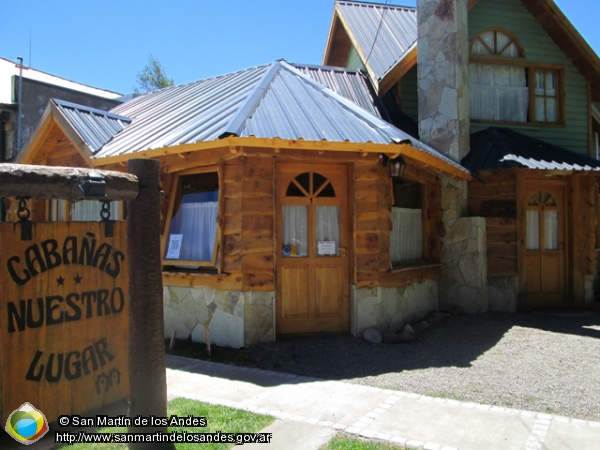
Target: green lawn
x=220, y=418
x=342, y=442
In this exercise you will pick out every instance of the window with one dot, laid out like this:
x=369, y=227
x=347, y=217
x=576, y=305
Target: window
x=191, y=234
x=406, y=238
x=542, y=222
x=506, y=88
x=315, y=191
x=84, y=210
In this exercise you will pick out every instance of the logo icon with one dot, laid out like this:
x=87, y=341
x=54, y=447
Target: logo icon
x=26, y=424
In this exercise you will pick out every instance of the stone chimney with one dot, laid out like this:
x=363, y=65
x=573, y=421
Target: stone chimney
x=443, y=63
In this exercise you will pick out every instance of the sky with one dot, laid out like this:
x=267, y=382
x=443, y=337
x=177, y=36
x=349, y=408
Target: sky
x=105, y=43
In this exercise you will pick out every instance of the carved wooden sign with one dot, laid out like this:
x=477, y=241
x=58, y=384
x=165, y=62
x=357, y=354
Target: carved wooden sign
x=499, y=208
x=65, y=317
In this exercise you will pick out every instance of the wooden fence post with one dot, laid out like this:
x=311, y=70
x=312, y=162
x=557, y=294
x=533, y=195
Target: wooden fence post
x=146, y=324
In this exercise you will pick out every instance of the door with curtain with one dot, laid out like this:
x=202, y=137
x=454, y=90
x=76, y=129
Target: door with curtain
x=312, y=261
x=545, y=246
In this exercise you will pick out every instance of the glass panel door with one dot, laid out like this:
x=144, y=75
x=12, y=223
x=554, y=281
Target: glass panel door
x=328, y=230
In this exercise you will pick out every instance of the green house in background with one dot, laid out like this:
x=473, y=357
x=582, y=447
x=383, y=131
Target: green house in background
x=507, y=88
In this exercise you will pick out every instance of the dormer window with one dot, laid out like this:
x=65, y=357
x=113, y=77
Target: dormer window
x=506, y=88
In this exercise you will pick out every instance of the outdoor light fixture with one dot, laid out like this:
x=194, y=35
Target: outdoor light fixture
x=94, y=186
x=397, y=167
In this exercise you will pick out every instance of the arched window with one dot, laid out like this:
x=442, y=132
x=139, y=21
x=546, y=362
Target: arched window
x=497, y=42
x=504, y=88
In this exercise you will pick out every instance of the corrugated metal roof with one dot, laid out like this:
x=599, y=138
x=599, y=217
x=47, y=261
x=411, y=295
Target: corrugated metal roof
x=95, y=126
x=497, y=148
x=383, y=33
x=270, y=101
x=350, y=84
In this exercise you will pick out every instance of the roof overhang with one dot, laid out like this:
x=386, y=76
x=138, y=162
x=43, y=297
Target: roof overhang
x=52, y=116
x=235, y=144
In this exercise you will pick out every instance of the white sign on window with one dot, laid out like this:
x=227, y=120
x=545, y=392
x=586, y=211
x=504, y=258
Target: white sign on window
x=174, y=246
x=326, y=248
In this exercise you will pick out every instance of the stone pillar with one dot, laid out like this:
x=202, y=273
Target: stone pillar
x=443, y=59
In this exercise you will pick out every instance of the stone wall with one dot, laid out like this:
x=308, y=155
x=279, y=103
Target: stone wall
x=443, y=58
x=463, y=279
x=502, y=293
x=234, y=318
x=389, y=308
x=589, y=295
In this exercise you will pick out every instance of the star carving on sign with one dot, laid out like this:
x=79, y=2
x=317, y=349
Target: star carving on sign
x=77, y=279
x=61, y=281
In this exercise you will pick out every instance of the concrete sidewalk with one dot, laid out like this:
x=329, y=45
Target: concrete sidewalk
x=310, y=411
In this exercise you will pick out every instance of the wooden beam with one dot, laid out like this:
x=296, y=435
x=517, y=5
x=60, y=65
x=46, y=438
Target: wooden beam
x=146, y=323
x=393, y=76
x=420, y=156
x=43, y=182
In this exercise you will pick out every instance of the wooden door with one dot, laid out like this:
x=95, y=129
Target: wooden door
x=312, y=261
x=545, y=246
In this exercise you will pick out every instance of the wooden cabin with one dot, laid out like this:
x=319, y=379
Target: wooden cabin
x=491, y=83
x=539, y=201
x=289, y=208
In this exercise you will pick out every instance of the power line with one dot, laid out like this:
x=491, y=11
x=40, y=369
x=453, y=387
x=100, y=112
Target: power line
x=387, y=2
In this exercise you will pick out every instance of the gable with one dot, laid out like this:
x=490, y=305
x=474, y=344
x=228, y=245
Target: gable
x=539, y=47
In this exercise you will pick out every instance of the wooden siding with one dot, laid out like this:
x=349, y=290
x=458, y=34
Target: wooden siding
x=354, y=62
x=539, y=48
x=367, y=247
x=409, y=94
x=582, y=226
x=502, y=250
x=257, y=214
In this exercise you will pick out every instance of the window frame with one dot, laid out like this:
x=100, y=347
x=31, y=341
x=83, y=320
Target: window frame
x=169, y=265
x=399, y=265
x=531, y=69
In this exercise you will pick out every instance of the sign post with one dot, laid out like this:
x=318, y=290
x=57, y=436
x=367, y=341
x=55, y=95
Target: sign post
x=81, y=323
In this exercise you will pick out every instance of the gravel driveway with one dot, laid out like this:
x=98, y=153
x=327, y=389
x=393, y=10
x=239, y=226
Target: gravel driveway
x=525, y=361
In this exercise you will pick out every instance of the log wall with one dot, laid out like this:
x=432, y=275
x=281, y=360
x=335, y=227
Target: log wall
x=502, y=248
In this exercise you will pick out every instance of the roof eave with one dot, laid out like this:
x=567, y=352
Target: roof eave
x=235, y=143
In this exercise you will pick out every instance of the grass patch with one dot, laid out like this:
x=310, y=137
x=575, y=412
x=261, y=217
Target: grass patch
x=446, y=395
x=197, y=350
x=342, y=442
x=220, y=418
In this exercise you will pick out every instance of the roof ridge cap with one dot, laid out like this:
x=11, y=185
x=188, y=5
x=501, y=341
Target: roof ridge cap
x=89, y=109
x=385, y=5
x=252, y=100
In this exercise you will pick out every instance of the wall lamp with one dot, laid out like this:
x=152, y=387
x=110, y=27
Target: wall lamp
x=397, y=165
x=94, y=186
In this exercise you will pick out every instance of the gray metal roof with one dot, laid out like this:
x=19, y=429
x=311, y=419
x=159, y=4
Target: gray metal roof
x=383, y=33
x=498, y=148
x=350, y=84
x=269, y=101
x=96, y=127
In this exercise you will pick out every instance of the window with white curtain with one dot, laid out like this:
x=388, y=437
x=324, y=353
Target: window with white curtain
x=505, y=88
x=542, y=220
x=406, y=237
x=82, y=211
x=192, y=231
x=89, y=210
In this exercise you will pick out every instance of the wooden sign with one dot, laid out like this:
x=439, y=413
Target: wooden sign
x=499, y=208
x=64, y=326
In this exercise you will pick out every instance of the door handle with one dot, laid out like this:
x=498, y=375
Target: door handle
x=343, y=252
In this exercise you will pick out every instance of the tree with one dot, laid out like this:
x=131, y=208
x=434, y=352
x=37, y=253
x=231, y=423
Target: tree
x=152, y=77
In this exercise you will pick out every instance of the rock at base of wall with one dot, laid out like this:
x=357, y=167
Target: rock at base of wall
x=372, y=335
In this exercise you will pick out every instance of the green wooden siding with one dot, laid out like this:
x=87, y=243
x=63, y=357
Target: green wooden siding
x=539, y=47
x=354, y=62
x=409, y=93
